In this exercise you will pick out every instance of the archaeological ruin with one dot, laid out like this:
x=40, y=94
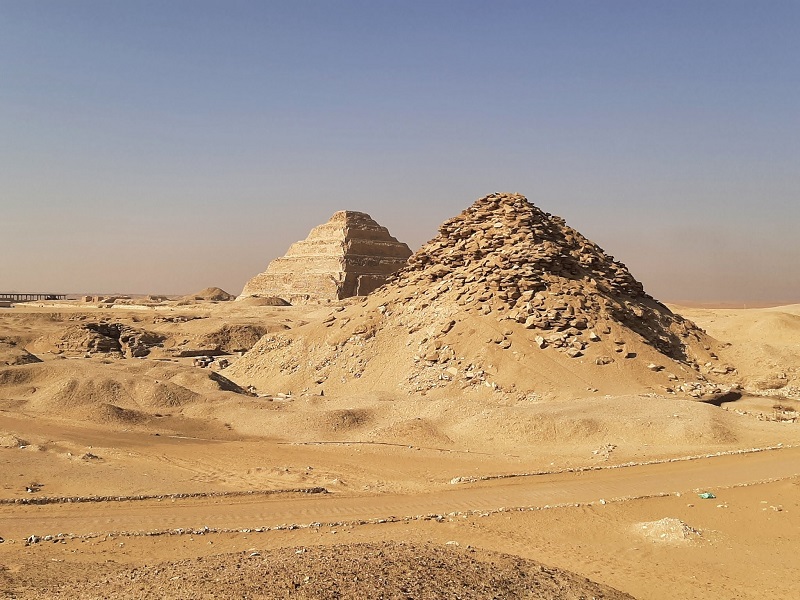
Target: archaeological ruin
x=350, y=255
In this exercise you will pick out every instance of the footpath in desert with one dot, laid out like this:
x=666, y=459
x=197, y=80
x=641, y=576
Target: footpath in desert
x=509, y=415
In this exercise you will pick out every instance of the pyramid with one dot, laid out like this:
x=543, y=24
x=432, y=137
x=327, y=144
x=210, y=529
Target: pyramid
x=506, y=297
x=212, y=294
x=350, y=255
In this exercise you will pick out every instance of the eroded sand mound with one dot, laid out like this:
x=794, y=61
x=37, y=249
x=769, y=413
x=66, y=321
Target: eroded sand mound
x=63, y=385
x=84, y=390
x=378, y=570
x=237, y=338
x=263, y=301
x=506, y=297
x=11, y=353
x=652, y=426
x=762, y=343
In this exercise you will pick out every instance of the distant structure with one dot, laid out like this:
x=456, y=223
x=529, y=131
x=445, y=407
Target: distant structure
x=17, y=297
x=104, y=299
x=350, y=255
x=211, y=294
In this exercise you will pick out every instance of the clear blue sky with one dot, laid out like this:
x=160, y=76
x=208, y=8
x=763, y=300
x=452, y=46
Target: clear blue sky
x=166, y=146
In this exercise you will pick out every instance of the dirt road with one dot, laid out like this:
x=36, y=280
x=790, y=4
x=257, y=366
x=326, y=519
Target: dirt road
x=20, y=521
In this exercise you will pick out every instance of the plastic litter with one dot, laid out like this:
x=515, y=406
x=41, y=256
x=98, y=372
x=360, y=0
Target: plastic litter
x=706, y=495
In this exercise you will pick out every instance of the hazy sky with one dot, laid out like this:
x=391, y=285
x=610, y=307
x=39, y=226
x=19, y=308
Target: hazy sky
x=171, y=145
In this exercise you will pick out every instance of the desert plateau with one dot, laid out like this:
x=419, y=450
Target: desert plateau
x=503, y=413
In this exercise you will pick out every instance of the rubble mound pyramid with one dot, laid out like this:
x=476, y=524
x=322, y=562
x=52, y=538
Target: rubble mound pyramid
x=506, y=297
x=350, y=255
x=212, y=294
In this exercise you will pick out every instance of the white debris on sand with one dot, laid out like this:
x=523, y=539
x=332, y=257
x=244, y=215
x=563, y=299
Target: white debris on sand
x=667, y=530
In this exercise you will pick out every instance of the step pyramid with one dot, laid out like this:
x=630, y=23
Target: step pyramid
x=505, y=297
x=350, y=255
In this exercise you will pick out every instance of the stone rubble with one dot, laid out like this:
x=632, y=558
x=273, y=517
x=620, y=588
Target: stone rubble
x=667, y=530
x=106, y=338
x=504, y=266
x=506, y=258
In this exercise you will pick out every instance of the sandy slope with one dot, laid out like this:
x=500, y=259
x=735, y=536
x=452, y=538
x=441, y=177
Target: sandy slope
x=87, y=426
x=763, y=343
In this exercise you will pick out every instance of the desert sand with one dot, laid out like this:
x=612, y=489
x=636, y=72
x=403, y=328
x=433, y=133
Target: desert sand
x=507, y=418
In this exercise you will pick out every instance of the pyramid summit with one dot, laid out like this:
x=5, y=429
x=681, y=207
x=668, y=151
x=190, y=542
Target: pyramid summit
x=504, y=256
x=350, y=255
x=506, y=296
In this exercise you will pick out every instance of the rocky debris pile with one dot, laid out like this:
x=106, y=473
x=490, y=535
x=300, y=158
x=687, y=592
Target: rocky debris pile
x=667, y=530
x=101, y=338
x=177, y=319
x=211, y=294
x=703, y=388
x=208, y=361
x=47, y=500
x=350, y=255
x=505, y=257
x=506, y=297
x=137, y=343
x=202, y=361
x=10, y=440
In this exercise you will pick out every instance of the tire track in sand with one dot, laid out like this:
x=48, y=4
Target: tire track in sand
x=19, y=521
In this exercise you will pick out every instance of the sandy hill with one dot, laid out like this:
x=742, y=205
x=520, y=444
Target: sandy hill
x=110, y=392
x=762, y=343
x=11, y=353
x=506, y=298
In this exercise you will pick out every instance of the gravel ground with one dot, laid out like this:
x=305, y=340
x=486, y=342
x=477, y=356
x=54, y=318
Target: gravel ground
x=373, y=571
